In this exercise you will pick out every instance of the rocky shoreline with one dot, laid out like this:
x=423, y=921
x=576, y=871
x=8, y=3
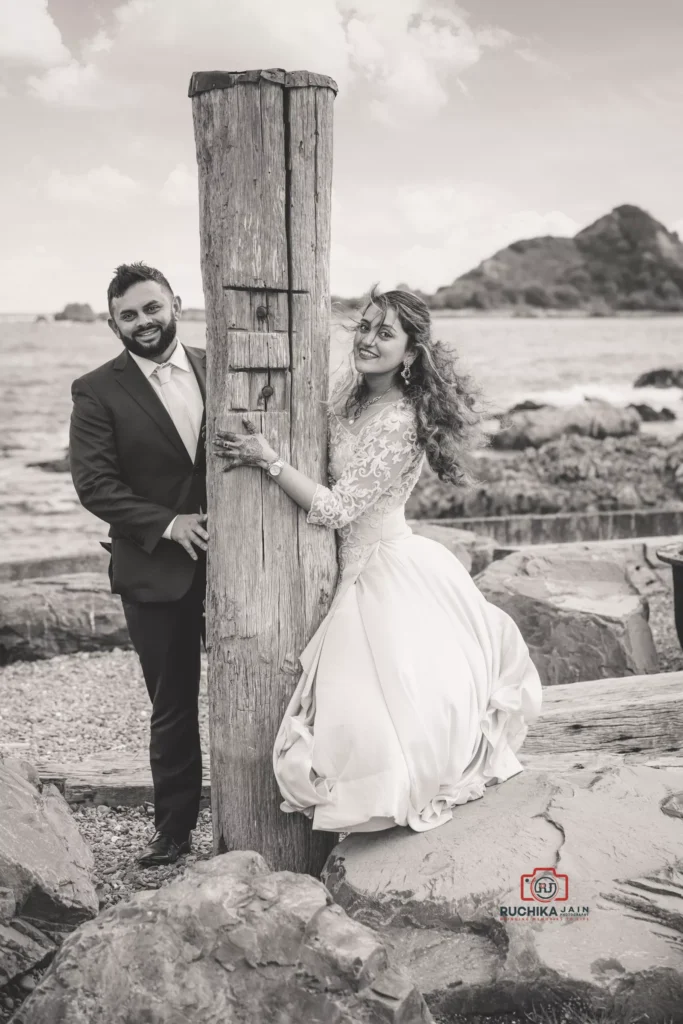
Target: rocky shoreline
x=592, y=457
x=589, y=458
x=571, y=474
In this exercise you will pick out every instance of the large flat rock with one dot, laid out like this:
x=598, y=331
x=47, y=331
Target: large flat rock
x=42, y=617
x=230, y=942
x=581, y=613
x=446, y=898
x=637, y=554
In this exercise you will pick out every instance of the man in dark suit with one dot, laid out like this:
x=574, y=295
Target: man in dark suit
x=138, y=462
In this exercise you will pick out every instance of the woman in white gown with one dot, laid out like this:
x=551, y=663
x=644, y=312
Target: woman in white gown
x=416, y=693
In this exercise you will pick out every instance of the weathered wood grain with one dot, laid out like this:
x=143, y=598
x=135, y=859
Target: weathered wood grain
x=264, y=152
x=624, y=716
x=114, y=777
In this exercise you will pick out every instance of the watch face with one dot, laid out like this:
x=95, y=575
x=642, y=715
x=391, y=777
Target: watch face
x=275, y=470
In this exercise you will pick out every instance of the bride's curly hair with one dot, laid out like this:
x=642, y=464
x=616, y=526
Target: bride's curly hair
x=448, y=404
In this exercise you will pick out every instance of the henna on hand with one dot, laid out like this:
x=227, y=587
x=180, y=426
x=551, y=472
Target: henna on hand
x=250, y=451
x=241, y=449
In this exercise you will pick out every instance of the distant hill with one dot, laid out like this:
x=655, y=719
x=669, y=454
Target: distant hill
x=624, y=261
x=80, y=312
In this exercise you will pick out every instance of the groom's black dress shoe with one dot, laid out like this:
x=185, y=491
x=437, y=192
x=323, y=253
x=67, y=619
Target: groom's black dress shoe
x=163, y=849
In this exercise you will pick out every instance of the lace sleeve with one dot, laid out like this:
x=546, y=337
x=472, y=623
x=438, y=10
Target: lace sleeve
x=385, y=450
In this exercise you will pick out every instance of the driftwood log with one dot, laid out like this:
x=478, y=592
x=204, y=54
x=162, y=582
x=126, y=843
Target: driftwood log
x=264, y=153
x=637, y=714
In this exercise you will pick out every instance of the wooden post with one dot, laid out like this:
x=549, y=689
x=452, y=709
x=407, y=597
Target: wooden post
x=264, y=151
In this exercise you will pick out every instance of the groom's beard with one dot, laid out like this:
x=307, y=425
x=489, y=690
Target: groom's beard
x=150, y=350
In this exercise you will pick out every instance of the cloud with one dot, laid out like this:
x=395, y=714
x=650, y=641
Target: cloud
x=412, y=50
x=69, y=84
x=537, y=60
x=100, y=43
x=100, y=186
x=429, y=235
x=150, y=47
x=404, y=54
x=28, y=35
x=180, y=188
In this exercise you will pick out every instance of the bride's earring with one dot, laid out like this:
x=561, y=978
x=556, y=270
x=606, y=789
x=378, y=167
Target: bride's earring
x=405, y=372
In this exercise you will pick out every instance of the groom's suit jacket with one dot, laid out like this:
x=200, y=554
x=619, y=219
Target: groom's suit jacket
x=131, y=469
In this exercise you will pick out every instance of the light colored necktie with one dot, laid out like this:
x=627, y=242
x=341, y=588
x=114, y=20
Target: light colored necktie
x=177, y=407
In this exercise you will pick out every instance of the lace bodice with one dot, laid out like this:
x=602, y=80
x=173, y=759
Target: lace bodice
x=371, y=475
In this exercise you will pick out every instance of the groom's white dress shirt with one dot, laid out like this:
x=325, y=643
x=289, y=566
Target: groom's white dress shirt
x=181, y=397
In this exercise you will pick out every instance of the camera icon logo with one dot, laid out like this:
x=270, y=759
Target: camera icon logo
x=544, y=885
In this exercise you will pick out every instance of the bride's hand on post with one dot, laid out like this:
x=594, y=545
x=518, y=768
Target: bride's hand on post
x=250, y=449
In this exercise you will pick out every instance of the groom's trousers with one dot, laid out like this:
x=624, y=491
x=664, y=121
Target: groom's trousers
x=167, y=637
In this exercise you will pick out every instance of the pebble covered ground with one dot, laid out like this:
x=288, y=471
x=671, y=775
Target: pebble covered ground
x=66, y=708
x=69, y=707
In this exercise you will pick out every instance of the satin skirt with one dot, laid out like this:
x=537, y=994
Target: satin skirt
x=416, y=694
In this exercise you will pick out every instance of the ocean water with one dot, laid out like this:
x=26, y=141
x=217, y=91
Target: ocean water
x=553, y=360
x=563, y=361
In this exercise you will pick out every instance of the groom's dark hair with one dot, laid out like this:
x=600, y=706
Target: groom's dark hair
x=129, y=274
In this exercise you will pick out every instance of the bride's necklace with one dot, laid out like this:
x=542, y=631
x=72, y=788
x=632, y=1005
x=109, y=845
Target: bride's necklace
x=362, y=406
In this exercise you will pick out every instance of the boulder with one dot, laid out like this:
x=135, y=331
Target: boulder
x=449, y=900
x=46, y=869
x=650, y=415
x=228, y=941
x=580, y=613
x=474, y=551
x=528, y=405
x=664, y=377
x=59, y=615
x=591, y=419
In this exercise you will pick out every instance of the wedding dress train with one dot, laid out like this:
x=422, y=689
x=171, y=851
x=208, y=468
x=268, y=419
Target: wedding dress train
x=416, y=692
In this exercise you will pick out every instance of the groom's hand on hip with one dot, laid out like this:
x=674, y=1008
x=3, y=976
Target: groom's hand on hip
x=188, y=530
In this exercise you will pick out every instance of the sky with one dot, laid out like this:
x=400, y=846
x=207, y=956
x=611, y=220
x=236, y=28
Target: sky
x=457, y=130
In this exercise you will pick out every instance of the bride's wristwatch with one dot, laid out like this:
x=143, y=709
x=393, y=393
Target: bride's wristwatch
x=275, y=467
